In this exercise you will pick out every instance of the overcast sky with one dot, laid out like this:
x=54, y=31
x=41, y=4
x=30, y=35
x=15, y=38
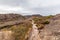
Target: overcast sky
x=28, y=7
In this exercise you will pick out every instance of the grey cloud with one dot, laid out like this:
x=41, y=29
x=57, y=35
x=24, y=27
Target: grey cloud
x=35, y=9
x=13, y=2
x=47, y=10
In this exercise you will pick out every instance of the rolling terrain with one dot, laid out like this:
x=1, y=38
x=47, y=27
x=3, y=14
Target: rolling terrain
x=19, y=27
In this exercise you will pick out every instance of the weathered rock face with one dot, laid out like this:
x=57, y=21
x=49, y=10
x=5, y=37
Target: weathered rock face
x=52, y=30
x=10, y=17
x=6, y=35
x=49, y=35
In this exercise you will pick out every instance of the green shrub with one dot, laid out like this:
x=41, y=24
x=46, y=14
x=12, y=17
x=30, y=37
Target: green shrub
x=46, y=22
x=40, y=26
x=50, y=16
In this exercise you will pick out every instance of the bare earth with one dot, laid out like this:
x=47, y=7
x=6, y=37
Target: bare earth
x=34, y=35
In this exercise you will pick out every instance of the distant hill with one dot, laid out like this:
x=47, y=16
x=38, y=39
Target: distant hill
x=34, y=15
x=10, y=17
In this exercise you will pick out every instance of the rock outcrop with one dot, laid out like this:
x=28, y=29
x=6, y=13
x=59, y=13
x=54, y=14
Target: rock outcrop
x=6, y=35
x=52, y=30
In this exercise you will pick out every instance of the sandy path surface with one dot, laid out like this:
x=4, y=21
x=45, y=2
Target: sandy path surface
x=35, y=33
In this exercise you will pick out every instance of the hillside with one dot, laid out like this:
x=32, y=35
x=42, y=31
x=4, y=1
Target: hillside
x=51, y=31
x=21, y=27
x=10, y=17
x=16, y=24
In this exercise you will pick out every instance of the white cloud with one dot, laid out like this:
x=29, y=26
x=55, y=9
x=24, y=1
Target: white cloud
x=9, y=9
x=30, y=6
x=43, y=3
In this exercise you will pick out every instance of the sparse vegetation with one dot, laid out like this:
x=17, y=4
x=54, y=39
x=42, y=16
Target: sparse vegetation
x=20, y=30
x=50, y=16
x=41, y=21
x=46, y=22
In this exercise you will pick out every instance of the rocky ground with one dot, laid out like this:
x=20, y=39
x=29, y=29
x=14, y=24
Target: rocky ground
x=46, y=28
x=52, y=30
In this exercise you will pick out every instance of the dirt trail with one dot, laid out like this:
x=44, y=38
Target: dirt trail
x=34, y=35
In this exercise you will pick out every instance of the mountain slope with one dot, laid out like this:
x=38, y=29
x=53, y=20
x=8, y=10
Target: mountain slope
x=52, y=30
x=10, y=17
